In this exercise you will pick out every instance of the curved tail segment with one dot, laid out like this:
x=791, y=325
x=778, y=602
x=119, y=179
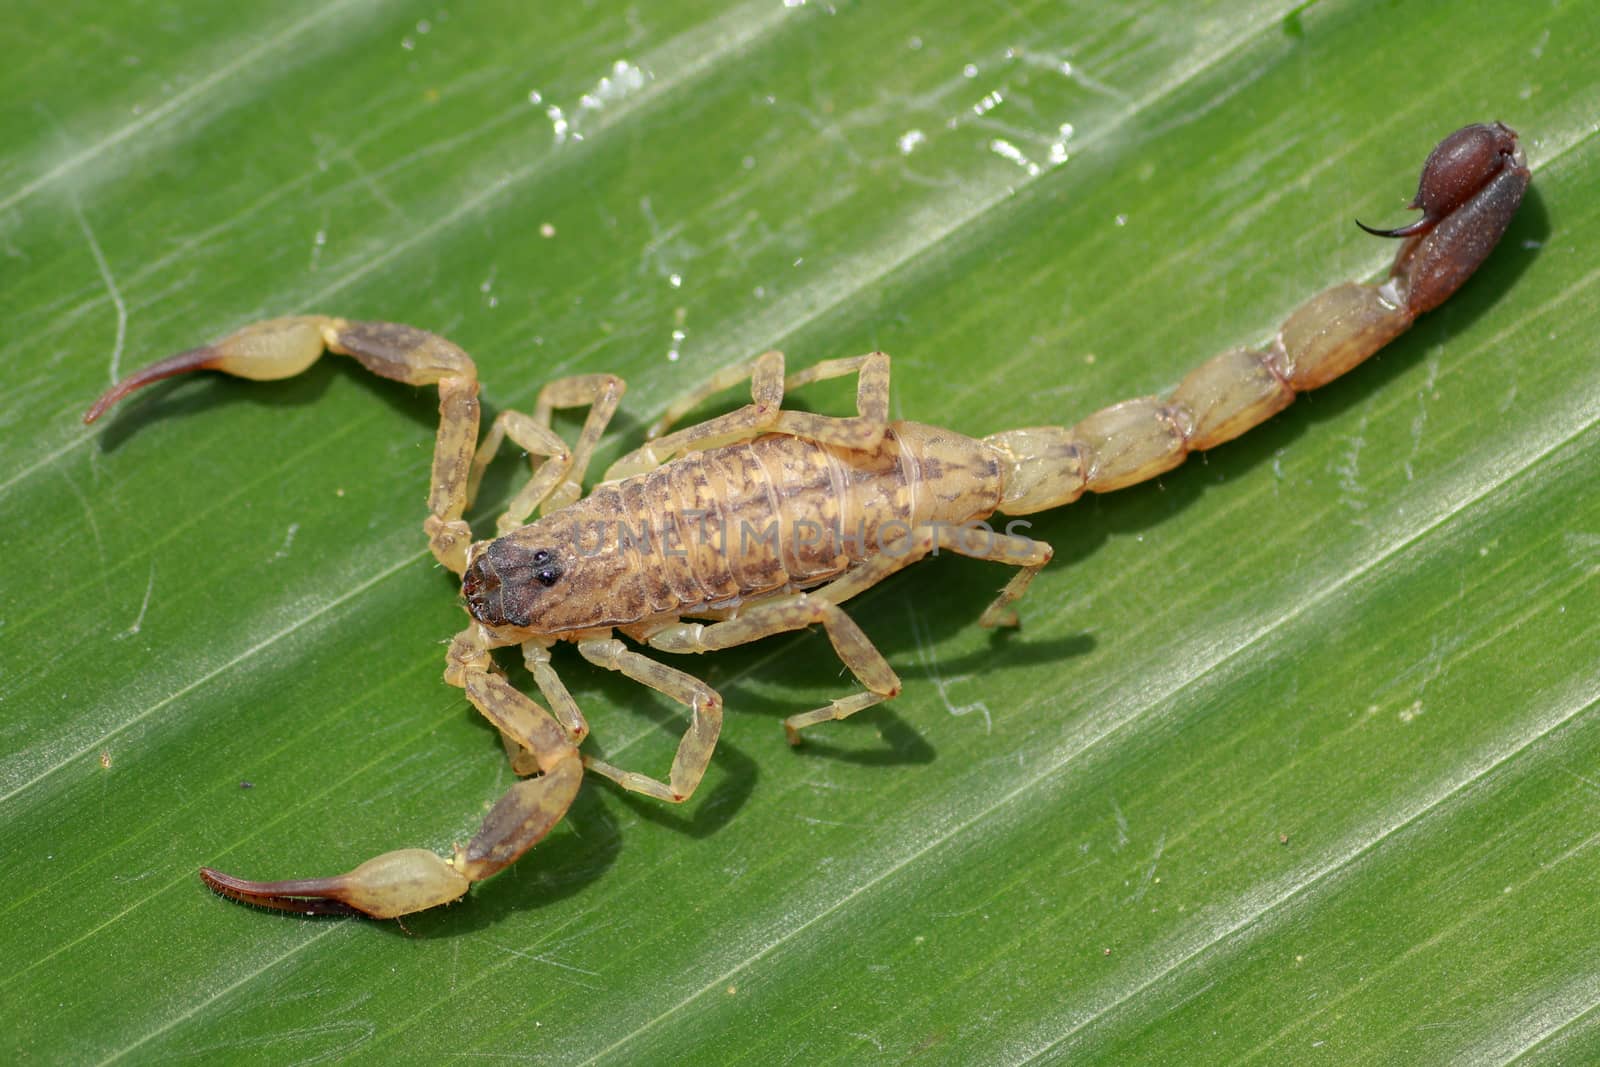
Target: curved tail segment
x=1472, y=184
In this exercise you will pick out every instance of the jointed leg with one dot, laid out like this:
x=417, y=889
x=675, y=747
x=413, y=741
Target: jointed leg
x=765, y=374
x=705, y=720
x=558, y=480
x=796, y=612
x=764, y=413
x=866, y=429
x=854, y=649
x=974, y=542
x=755, y=418
x=694, y=750
x=536, y=657
x=978, y=543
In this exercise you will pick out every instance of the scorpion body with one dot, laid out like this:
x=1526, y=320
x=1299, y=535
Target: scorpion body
x=764, y=520
x=714, y=529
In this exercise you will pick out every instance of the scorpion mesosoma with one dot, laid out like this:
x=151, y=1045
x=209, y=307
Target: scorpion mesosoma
x=637, y=556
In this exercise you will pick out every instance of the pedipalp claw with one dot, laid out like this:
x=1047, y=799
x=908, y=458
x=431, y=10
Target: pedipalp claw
x=385, y=887
x=262, y=351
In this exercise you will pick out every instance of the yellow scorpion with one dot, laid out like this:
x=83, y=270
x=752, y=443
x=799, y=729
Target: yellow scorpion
x=764, y=520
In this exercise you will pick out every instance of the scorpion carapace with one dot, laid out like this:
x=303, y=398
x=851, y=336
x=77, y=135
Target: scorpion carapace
x=763, y=520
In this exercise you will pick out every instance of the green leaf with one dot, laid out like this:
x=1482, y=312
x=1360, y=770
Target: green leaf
x=1294, y=759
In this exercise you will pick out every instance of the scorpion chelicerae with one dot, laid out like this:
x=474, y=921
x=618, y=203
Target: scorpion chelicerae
x=765, y=520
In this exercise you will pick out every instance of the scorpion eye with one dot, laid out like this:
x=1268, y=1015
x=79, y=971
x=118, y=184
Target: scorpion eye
x=546, y=567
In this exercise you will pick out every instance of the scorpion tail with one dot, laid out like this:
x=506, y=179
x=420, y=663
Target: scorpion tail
x=1471, y=186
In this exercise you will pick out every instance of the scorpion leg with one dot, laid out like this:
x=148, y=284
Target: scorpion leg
x=866, y=429
x=755, y=418
x=282, y=348
x=852, y=646
x=705, y=720
x=1025, y=553
x=414, y=879
x=796, y=611
x=536, y=657
x=1028, y=555
x=558, y=480
x=765, y=374
x=765, y=413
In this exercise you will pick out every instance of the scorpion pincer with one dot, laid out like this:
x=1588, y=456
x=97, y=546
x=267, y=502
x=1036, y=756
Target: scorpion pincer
x=765, y=520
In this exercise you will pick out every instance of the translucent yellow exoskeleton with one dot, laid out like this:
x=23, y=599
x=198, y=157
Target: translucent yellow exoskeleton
x=764, y=520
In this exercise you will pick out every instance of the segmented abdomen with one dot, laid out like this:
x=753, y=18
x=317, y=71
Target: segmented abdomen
x=715, y=527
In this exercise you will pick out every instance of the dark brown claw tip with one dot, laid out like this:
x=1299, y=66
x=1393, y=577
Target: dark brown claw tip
x=182, y=363
x=306, y=896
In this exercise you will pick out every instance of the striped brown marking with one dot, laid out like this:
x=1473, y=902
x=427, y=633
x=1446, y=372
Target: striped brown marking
x=735, y=522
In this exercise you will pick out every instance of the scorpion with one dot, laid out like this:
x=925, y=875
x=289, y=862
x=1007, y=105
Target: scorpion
x=767, y=520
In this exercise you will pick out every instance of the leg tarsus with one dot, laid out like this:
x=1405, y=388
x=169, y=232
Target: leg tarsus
x=634, y=782
x=842, y=708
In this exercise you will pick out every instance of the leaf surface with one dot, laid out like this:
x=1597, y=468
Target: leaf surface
x=1293, y=760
